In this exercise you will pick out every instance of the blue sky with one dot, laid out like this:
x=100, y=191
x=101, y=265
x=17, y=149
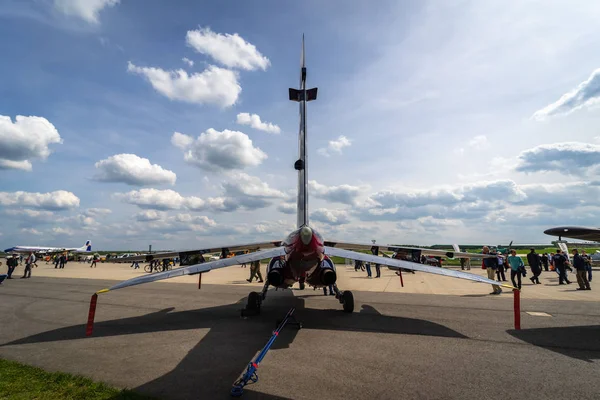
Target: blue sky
x=446, y=122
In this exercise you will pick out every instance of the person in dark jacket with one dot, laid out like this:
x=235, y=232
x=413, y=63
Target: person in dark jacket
x=560, y=263
x=12, y=263
x=579, y=264
x=544, y=259
x=535, y=263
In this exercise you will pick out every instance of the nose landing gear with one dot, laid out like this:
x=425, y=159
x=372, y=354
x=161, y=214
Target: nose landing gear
x=346, y=299
x=255, y=300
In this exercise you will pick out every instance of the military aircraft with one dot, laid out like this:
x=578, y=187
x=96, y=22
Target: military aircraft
x=86, y=248
x=303, y=256
x=575, y=232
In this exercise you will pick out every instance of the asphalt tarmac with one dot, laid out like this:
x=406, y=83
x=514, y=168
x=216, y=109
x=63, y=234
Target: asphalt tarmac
x=174, y=341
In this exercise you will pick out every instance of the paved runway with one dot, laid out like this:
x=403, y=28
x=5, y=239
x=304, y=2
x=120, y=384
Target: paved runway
x=176, y=342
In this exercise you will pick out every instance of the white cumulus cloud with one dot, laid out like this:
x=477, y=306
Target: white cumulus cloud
x=585, y=95
x=254, y=121
x=26, y=139
x=155, y=199
x=214, y=150
x=287, y=208
x=230, y=50
x=85, y=9
x=58, y=200
x=346, y=194
x=569, y=157
x=335, y=146
x=181, y=140
x=331, y=217
x=149, y=215
x=188, y=61
x=132, y=170
x=214, y=85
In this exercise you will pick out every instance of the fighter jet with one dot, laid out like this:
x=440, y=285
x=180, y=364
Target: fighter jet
x=304, y=255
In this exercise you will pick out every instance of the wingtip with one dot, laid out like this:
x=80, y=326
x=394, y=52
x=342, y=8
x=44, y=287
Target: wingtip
x=102, y=291
x=509, y=286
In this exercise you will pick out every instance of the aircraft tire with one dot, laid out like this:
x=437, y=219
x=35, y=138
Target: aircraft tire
x=253, y=301
x=348, y=301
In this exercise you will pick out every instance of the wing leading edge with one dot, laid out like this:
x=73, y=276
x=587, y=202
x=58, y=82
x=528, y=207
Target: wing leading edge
x=224, y=250
x=391, y=262
x=198, y=268
x=424, y=251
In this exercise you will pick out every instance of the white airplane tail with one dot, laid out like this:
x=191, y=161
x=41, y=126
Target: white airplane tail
x=86, y=247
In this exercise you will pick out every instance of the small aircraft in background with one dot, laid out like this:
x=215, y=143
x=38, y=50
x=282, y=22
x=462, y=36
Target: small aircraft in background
x=86, y=248
x=303, y=256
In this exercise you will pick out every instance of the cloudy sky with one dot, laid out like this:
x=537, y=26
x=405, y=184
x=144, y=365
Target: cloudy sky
x=133, y=122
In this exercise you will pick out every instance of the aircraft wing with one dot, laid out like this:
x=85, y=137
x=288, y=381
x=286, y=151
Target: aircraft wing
x=575, y=232
x=423, y=251
x=224, y=250
x=198, y=268
x=397, y=264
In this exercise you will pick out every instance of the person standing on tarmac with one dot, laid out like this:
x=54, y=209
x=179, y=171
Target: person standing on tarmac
x=491, y=264
x=28, y=263
x=535, y=263
x=544, y=260
x=500, y=271
x=579, y=264
x=516, y=264
x=588, y=264
x=560, y=263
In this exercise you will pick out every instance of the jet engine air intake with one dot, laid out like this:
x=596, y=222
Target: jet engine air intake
x=275, y=277
x=328, y=277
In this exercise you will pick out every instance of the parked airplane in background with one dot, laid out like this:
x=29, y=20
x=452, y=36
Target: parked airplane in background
x=87, y=247
x=303, y=256
x=575, y=232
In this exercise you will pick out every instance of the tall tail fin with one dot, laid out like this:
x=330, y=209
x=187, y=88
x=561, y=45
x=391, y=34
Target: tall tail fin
x=88, y=245
x=302, y=95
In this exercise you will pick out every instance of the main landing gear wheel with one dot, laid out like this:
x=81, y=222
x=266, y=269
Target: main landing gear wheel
x=348, y=301
x=253, y=306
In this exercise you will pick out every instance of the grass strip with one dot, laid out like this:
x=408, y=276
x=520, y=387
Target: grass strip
x=23, y=382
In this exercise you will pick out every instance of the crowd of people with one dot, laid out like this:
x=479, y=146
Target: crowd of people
x=557, y=262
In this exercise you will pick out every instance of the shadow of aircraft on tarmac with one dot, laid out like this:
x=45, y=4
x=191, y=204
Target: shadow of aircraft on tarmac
x=234, y=341
x=580, y=342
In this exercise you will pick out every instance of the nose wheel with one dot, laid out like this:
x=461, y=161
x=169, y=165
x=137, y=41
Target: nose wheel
x=253, y=305
x=347, y=300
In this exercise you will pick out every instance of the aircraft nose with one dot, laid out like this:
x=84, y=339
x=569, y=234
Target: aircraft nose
x=556, y=231
x=306, y=235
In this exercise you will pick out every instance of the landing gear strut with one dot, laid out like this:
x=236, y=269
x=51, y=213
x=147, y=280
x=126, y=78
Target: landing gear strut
x=346, y=298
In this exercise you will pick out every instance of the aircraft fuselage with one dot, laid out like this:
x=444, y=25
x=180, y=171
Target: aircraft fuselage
x=304, y=261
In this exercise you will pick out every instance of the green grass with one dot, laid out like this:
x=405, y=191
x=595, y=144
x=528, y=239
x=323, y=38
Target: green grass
x=22, y=382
